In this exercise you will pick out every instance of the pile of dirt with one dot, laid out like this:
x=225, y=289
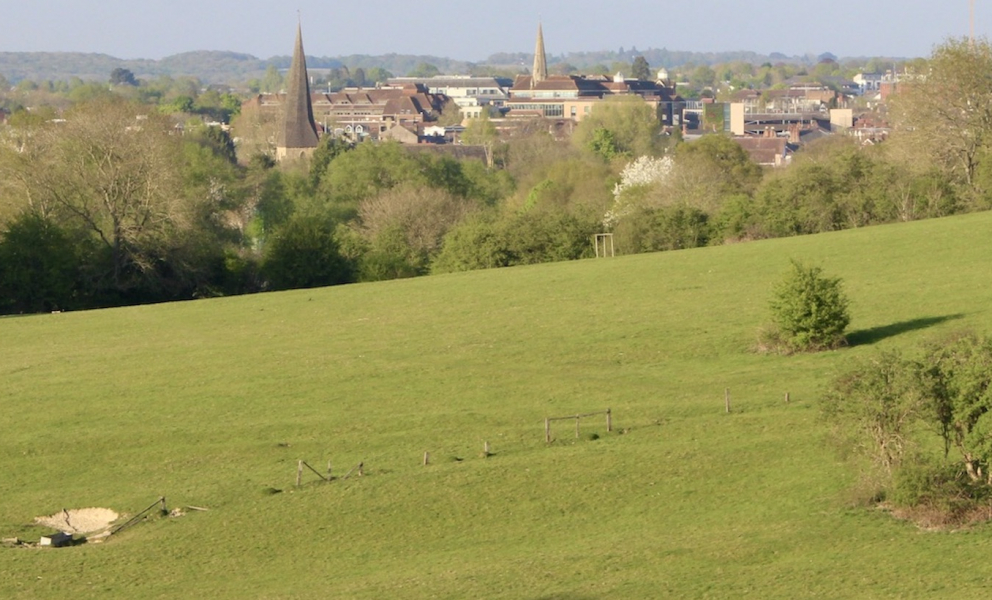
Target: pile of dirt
x=79, y=520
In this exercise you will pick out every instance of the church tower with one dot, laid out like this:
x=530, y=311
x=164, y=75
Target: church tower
x=540, y=71
x=298, y=135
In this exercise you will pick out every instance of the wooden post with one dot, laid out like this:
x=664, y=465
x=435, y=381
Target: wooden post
x=787, y=397
x=726, y=398
x=299, y=473
x=162, y=500
x=609, y=420
x=361, y=467
x=547, y=430
x=427, y=458
x=576, y=426
x=328, y=470
x=485, y=450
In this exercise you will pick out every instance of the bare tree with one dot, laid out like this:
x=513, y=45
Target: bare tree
x=945, y=112
x=111, y=168
x=423, y=214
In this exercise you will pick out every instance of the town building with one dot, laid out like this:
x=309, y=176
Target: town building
x=472, y=95
x=360, y=113
x=575, y=96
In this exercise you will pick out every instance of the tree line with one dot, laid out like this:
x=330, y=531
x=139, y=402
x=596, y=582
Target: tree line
x=107, y=202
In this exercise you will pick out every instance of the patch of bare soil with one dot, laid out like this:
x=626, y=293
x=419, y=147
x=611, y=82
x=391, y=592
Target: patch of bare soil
x=79, y=520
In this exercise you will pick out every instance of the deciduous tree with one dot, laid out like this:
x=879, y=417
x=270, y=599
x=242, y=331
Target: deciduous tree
x=113, y=169
x=945, y=113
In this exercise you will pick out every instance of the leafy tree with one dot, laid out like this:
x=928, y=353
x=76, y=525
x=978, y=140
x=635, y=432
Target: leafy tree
x=365, y=172
x=408, y=224
x=535, y=236
x=330, y=148
x=120, y=76
x=799, y=202
x=708, y=171
x=632, y=124
x=304, y=254
x=255, y=129
x=40, y=267
x=478, y=243
x=702, y=76
x=605, y=145
x=946, y=112
x=662, y=228
x=272, y=82
x=424, y=70
x=179, y=104
x=889, y=408
x=640, y=69
x=482, y=132
x=874, y=407
x=114, y=170
x=956, y=378
x=810, y=310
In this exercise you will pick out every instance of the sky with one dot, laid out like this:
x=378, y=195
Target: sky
x=473, y=31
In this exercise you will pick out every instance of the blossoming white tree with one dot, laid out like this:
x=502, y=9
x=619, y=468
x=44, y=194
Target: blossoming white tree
x=635, y=179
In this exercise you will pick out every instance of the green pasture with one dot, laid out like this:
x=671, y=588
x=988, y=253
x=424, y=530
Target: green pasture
x=211, y=403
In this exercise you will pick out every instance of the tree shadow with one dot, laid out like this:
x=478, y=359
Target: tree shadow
x=877, y=334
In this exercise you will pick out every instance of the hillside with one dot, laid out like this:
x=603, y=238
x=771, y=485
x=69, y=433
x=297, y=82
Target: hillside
x=211, y=404
x=234, y=67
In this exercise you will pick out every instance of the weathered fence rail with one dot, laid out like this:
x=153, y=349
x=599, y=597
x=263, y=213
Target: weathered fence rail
x=577, y=417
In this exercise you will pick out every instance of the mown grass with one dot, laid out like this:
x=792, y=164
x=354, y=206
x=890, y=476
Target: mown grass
x=211, y=403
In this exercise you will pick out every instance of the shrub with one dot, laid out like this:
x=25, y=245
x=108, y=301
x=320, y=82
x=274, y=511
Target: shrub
x=923, y=423
x=304, y=254
x=39, y=266
x=874, y=407
x=810, y=311
x=936, y=493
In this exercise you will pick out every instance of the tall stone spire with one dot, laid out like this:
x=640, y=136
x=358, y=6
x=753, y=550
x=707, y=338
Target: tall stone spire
x=540, y=71
x=299, y=132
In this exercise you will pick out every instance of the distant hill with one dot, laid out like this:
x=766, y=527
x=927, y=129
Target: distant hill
x=211, y=67
x=233, y=67
x=208, y=66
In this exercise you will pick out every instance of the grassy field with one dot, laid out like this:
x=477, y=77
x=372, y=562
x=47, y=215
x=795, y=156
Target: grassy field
x=211, y=403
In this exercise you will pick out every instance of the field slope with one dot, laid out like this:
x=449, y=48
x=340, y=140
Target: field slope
x=211, y=404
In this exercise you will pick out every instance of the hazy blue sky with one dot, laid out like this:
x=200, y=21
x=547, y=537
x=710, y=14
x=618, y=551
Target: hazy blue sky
x=474, y=30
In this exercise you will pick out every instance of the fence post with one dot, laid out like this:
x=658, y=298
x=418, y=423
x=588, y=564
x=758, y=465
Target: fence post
x=787, y=397
x=609, y=420
x=485, y=450
x=299, y=472
x=726, y=398
x=361, y=468
x=547, y=430
x=328, y=470
x=576, y=426
x=427, y=458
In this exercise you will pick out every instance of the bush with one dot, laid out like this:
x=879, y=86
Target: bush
x=923, y=423
x=810, y=311
x=305, y=254
x=667, y=228
x=937, y=493
x=39, y=267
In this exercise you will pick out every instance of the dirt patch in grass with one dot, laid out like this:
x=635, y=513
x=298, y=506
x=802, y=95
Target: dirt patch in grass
x=79, y=520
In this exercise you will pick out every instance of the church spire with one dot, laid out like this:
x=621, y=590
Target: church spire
x=299, y=130
x=540, y=71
